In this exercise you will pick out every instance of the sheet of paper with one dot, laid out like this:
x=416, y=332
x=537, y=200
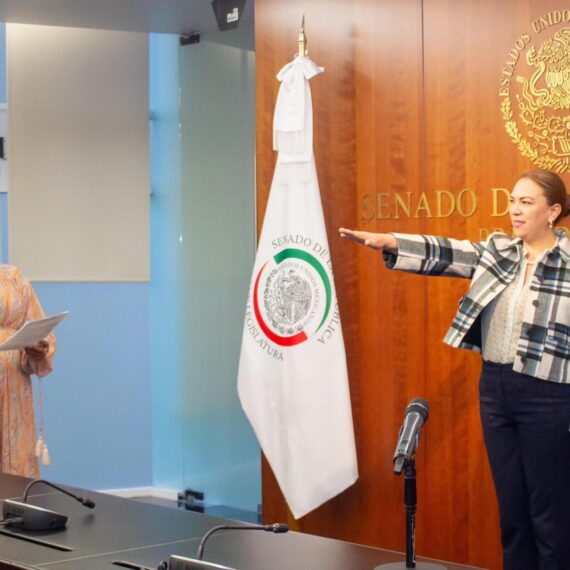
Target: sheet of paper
x=32, y=332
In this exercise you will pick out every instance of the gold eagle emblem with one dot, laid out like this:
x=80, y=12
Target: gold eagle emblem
x=542, y=105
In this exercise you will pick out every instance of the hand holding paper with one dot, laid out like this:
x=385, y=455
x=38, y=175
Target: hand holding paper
x=32, y=332
x=38, y=350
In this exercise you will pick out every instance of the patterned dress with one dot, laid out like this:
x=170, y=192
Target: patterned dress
x=18, y=304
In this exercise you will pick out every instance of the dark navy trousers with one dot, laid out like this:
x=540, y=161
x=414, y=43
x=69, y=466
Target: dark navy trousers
x=526, y=424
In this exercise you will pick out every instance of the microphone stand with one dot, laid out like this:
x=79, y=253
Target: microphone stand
x=410, y=506
x=410, y=502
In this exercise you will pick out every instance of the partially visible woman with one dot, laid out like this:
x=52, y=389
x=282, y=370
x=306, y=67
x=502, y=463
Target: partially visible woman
x=517, y=313
x=18, y=304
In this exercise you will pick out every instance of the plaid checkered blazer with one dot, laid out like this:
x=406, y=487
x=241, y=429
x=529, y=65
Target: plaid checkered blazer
x=543, y=349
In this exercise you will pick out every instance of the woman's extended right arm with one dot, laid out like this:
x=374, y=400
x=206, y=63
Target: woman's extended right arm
x=423, y=254
x=385, y=242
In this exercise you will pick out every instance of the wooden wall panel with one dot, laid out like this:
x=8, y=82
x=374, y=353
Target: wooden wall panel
x=461, y=106
x=409, y=106
x=388, y=157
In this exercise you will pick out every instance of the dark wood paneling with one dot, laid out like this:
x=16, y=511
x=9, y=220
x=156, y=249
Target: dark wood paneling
x=409, y=102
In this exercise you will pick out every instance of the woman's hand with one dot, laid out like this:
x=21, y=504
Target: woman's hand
x=38, y=350
x=369, y=239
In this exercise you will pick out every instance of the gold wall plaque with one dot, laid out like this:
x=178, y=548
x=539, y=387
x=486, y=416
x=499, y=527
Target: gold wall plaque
x=535, y=92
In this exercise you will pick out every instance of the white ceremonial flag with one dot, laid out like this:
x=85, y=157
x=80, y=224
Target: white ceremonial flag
x=292, y=380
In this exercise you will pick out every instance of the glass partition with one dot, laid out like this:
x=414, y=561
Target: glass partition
x=221, y=456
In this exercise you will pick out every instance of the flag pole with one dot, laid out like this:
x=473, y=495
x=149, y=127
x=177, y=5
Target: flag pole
x=302, y=41
x=292, y=522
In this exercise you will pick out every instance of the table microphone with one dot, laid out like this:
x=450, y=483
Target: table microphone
x=180, y=563
x=84, y=501
x=32, y=517
x=277, y=528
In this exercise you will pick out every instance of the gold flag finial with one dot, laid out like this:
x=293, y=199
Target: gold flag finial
x=303, y=39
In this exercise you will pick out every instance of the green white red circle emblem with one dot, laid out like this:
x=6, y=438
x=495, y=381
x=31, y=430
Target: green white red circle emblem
x=292, y=297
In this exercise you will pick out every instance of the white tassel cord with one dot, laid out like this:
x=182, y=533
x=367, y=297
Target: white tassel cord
x=42, y=451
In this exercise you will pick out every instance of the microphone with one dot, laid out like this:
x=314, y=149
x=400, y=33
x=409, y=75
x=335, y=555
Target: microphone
x=31, y=517
x=415, y=416
x=84, y=501
x=277, y=528
x=181, y=563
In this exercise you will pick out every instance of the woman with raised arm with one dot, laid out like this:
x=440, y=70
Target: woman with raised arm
x=517, y=314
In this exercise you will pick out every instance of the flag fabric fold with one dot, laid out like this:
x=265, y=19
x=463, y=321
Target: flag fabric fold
x=292, y=379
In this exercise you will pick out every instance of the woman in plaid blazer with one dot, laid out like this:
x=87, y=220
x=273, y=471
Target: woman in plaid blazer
x=517, y=313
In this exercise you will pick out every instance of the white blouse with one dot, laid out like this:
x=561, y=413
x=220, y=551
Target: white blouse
x=501, y=319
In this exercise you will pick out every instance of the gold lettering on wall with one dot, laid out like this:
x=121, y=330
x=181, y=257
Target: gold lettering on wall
x=503, y=209
x=423, y=206
x=368, y=207
x=484, y=233
x=551, y=19
x=404, y=205
x=463, y=199
x=441, y=204
x=381, y=205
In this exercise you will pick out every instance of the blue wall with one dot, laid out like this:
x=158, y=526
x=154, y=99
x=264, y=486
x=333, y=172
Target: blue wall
x=97, y=399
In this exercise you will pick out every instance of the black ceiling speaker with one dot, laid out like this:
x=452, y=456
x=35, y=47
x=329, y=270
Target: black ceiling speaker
x=228, y=13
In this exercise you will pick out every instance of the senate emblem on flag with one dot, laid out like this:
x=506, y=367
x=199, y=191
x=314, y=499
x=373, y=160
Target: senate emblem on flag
x=288, y=297
x=535, y=86
x=292, y=297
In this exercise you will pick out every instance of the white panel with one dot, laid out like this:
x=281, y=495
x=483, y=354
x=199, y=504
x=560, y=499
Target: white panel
x=78, y=150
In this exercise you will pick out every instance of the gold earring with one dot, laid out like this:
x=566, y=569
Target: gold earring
x=550, y=224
